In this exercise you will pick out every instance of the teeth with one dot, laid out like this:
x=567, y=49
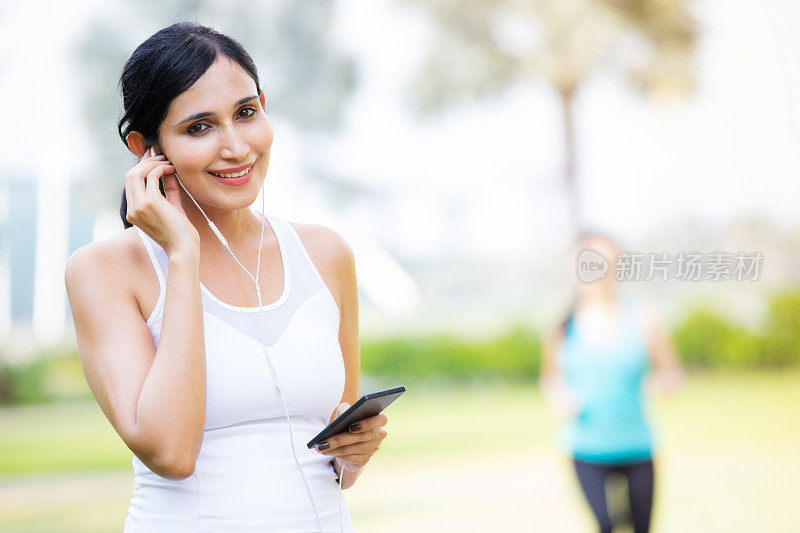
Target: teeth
x=236, y=175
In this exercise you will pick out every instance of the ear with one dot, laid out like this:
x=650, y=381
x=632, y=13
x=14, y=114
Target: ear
x=136, y=143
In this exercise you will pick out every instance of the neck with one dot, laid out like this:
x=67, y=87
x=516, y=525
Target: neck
x=600, y=295
x=237, y=225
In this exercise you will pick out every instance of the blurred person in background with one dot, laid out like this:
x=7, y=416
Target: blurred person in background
x=217, y=404
x=594, y=367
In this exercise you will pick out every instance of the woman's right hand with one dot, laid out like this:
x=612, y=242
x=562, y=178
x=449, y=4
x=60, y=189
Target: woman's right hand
x=163, y=219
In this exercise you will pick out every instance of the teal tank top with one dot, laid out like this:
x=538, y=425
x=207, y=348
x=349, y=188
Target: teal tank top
x=610, y=426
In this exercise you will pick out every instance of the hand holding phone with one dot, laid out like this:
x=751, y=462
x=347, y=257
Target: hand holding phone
x=356, y=433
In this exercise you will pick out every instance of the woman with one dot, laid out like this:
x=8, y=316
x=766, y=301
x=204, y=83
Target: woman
x=592, y=373
x=215, y=403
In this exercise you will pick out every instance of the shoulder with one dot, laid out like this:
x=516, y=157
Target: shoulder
x=114, y=261
x=330, y=252
x=324, y=243
x=557, y=331
x=648, y=318
x=322, y=239
x=99, y=255
x=554, y=337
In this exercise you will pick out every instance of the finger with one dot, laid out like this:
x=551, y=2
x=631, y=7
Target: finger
x=135, y=183
x=147, y=164
x=359, y=448
x=341, y=408
x=151, y=184
x=171, y=189
x=146, y=155
x=345, y=439
x=128, y=199
x=341, y=439
x=368, y=424
x=153, y=176
x=141, y=169
x=134, y=191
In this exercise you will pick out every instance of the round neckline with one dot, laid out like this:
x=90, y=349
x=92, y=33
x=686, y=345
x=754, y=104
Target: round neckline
x=286, y=278
x=622, y=326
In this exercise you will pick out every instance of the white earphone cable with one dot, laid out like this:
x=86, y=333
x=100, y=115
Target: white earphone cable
x=264, y=345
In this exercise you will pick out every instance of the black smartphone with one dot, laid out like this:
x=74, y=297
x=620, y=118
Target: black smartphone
x=366, y=406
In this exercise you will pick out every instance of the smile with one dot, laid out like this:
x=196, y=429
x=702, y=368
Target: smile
x=238, y=174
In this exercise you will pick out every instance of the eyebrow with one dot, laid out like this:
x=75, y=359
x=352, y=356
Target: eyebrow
x=205, y=114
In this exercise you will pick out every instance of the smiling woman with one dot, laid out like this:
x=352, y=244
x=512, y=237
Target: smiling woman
x=163, y=86
x=216, y=399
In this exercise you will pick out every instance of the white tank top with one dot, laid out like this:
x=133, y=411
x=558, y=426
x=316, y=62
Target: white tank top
x=246, y=479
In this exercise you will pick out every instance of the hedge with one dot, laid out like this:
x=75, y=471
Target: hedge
x=704, y=338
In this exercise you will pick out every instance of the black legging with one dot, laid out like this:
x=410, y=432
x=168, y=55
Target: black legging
x=592, y=477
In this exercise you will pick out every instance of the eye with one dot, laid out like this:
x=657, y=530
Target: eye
x=251, y=109
x=194, y=131
x=193, y=128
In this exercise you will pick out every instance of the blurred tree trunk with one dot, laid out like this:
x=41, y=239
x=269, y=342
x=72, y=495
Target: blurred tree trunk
x=571, y=188
x=483, y=47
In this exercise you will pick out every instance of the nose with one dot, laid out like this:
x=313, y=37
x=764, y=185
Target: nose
x=232, y=145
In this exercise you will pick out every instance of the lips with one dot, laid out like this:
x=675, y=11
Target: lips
x=233, y=170
x=238, y=180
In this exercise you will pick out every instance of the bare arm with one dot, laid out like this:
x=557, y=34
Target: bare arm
x=554, y=386
x=348, y=340
x=335, y=261
x=154, y=399
x=667, y=373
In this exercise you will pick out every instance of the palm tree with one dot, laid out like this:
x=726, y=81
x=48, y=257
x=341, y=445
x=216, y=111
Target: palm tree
x=482, y=47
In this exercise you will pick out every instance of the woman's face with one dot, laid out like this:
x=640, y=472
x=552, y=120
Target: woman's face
x=233, y=131
x=609, y=252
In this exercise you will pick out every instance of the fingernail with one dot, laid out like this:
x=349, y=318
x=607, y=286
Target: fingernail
x=355, y=427
x=323, y=446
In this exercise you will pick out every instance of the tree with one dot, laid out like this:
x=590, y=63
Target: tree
x=482, y=47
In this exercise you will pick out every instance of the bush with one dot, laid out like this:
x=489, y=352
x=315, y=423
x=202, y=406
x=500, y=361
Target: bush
x=781, y=343
x=513, y=355
x=706, y=339
x=52, y=376
x=703, y=339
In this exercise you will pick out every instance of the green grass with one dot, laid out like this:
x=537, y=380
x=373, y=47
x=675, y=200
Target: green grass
x=467, y=458
x=58, y=438
x=428, y=420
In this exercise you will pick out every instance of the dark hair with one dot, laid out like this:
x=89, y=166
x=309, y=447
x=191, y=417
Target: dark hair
x=583, y=236
x=161, y=68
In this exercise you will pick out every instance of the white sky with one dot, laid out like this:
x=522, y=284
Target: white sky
x=729, y=150
x=482, y=179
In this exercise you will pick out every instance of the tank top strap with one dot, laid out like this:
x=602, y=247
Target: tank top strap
x=629, y=316
x=633, y=320
x=302, y=281
x=304, y=273
x=157, y=255
x=628, y=309
x=160, y=263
